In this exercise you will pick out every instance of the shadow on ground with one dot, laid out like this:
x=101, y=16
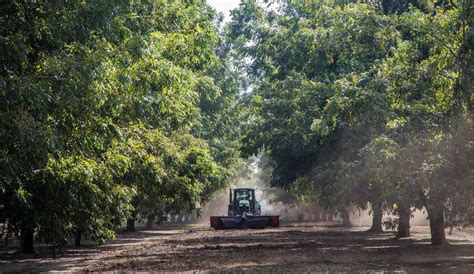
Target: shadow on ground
x=290, y=249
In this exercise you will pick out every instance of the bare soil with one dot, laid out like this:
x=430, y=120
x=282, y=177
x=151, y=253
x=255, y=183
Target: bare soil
x=294, y=247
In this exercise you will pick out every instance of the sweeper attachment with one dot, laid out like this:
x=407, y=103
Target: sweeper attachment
x=244, y=211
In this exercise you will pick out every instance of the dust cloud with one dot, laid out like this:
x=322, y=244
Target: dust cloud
x=280, y=202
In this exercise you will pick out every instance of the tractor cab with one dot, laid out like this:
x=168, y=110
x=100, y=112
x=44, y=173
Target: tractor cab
x=242, y=200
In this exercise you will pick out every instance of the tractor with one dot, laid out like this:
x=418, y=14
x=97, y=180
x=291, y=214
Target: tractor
x=244, y=211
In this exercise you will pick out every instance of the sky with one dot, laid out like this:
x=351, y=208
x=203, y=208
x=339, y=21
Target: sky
x=224, y=6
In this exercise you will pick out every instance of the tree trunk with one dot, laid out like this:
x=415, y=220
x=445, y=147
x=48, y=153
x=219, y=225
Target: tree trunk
x=27, y=240
x=436, y=217
x=377, y=215
x=324, y=216
x=131, y=225
x=78, y=238
x=131, y=222
x=330, y=216
x=317, y=217
x=346, y=220
x=404, y=215
x=150, y=220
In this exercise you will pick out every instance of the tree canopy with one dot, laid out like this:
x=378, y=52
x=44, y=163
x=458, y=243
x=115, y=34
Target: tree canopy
x=361, y=103
x=107, y=111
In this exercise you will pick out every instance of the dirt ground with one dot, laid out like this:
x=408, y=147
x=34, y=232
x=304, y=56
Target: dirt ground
x=290, y=248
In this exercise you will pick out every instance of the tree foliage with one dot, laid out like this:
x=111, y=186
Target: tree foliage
x=363, y=102
x=105, y=114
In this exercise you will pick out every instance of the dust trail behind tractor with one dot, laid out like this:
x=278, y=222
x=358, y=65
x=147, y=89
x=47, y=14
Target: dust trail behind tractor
x=244, y=211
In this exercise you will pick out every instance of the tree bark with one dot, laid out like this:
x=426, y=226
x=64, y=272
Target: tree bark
x=150, y=220
x=330, y=216
x=317, y=216
x=436, y=217
x=78, y=238
x=324, y=216
x=404, y=215
x=27, y=239
x=377, y=215
x=131, y=222
x=131, y=225
x=346, y=220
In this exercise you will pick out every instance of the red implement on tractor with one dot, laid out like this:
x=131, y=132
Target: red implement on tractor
x=244, y=211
